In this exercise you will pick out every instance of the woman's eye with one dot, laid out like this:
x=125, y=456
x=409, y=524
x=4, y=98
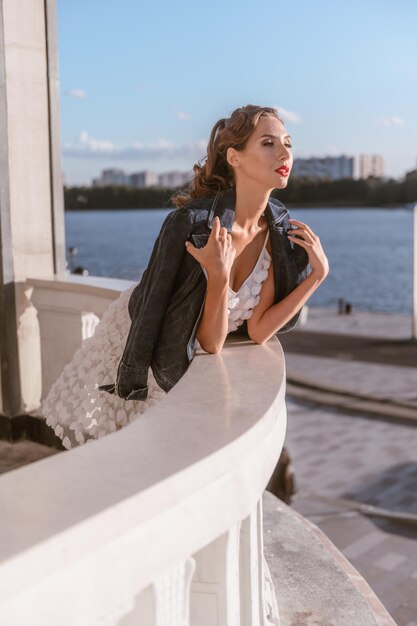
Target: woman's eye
x=270, y=143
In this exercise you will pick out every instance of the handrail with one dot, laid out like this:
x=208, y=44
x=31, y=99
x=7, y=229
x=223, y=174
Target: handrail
x=183, y=474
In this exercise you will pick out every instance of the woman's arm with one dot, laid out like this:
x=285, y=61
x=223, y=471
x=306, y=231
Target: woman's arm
x=268, y=317
x=212, y=328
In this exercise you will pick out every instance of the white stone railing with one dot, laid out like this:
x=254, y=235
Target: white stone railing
x=159, y=523
x=68, y=310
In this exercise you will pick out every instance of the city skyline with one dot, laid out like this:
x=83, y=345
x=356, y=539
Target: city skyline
x=341, y=77
x=333, y=168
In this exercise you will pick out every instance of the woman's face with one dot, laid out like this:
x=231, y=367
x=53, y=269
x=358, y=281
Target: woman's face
x=267, y=149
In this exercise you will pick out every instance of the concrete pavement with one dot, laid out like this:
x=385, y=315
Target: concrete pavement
x=359, y=362
x=340, y=460
x=351, y=379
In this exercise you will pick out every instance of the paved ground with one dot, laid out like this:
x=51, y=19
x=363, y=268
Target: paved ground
x=358, y=323
x=368, y=354
x=14, y=455
x=363, y=460
x=341, y=460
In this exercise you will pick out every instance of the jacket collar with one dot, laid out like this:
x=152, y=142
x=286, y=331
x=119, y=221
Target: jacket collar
x=224, y=204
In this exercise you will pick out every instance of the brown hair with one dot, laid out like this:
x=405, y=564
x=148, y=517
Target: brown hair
x=216, y=174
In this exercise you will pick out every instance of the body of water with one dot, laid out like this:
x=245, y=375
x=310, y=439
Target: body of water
x=369, y=251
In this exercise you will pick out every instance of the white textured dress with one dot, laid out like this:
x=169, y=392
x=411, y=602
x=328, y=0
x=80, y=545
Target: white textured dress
x=79, y=413
x=242, y=302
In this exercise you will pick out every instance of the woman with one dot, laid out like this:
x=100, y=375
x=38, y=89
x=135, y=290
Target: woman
x=235, y=286
x=210, y=273
x=229, y=260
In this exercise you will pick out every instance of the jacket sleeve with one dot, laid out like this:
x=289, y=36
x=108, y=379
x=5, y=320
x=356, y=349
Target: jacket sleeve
x=147, y=306
x=295, y=266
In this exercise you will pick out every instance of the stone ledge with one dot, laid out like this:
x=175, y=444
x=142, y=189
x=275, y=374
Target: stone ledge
x=314, y=582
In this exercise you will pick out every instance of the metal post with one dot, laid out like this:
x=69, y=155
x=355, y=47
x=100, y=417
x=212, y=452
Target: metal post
x=414, y=321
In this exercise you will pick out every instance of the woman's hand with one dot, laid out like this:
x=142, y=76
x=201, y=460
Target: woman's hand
x=311, y=243
x=218, y=254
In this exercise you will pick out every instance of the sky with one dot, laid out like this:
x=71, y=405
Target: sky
x=142, y=84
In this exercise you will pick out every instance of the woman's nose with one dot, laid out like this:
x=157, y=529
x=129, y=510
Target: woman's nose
x=284, y=153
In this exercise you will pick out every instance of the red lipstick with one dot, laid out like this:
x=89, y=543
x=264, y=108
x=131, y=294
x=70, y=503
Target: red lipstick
x=283, y=170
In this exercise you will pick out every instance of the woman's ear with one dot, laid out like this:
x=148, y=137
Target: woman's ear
x=232, y=157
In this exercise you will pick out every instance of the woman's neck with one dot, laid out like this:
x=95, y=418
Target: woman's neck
x=250, y=205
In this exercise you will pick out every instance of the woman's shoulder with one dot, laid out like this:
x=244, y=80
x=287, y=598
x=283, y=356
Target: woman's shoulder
x=195, y=210
x=196, y=203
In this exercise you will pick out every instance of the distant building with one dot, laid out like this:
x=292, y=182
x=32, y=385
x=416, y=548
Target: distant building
x=412, y=174
x=333, y=168
x=140, y=180
x=324, y=167
x=174, y=179
x=369, y=165
x=111, y=177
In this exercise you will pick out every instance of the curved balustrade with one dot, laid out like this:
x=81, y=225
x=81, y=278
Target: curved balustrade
x=159, y=523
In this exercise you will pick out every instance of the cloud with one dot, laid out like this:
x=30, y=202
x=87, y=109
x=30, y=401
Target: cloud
x=76, y=93
x=183, y=116
x=393, y=120
x=87, y=147
x=289, y=116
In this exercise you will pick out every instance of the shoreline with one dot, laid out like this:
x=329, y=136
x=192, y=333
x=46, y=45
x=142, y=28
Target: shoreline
x=289, y=205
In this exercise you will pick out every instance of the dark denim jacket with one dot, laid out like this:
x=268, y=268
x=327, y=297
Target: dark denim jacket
x=166, y=305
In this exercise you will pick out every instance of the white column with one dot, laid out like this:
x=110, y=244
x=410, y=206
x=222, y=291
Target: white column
x=215, y=590
x=258, y=600
x=172, y=595
x=31, y=194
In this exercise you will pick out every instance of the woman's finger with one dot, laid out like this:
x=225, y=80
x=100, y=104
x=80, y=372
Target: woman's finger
x=302, y=224
x=216, y=227
x=190, y=248
x=300, y=242
x=304, y=227
x=303, y=233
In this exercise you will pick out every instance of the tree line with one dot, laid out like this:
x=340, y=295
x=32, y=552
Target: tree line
x=305, y=192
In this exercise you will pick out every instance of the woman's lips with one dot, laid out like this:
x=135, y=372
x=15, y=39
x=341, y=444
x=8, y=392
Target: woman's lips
x=283, y=171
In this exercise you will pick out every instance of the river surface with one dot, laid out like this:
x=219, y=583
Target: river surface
x=369, y=251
